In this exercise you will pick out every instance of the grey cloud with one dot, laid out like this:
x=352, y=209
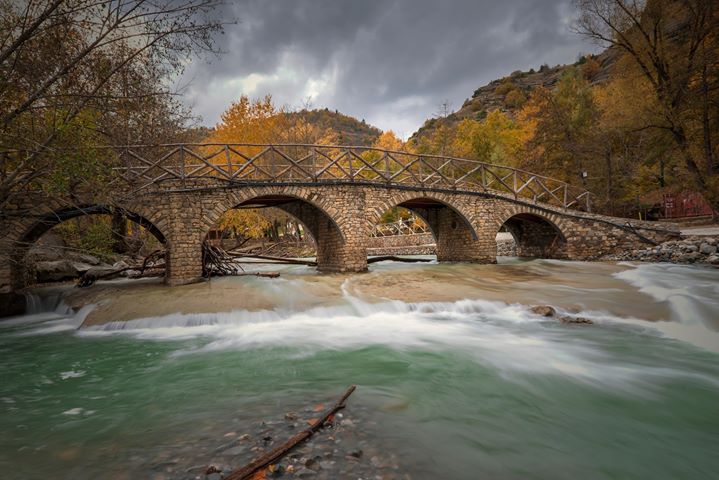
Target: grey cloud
x=389, y=62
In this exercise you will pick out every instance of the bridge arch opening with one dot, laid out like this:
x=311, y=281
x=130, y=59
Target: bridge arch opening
x=94, y=225
x=305, y=229
x=453, y=235
x=531, y=236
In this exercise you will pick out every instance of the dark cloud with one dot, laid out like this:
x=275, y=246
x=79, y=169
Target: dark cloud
x=390, y=62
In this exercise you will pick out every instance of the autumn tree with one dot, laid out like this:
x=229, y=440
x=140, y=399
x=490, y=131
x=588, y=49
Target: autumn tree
x=258, y=121
x=496, y=139
x=87, y=72
x=673, y=45
x=561, y=122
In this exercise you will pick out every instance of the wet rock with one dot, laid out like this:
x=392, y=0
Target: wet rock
x=576, y=320
x=290, y=416
x=707, y=249
x=543, y=310
x=313, y=463
x=356, y=453
x=713, y=260
x=304, y=473
x=234, y=451
x=57, y=270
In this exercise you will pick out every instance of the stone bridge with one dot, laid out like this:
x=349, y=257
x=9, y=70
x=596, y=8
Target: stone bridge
x=338, y=193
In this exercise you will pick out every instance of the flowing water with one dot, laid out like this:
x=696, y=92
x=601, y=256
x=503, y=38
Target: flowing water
x=460, y=382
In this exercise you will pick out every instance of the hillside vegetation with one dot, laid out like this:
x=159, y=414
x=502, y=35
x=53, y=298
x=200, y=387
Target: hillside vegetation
x=635, y=122
x=349, y=130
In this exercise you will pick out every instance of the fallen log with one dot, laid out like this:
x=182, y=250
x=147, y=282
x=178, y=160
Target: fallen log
x=90, y=277
x=396, y=259
x=275, y=454
x=290, y=261
x=258, y=274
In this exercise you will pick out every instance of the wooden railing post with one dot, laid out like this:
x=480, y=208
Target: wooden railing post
x=182, y=166
x=229, y=161
x=314, y=164
x=352, y=169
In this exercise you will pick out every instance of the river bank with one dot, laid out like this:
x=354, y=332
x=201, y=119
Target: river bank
x=688, y=250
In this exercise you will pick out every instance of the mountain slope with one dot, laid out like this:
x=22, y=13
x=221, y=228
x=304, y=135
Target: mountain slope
x=507, y=94
x=350, y=130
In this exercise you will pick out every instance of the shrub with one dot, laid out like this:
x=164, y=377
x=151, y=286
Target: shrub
x=515, y=98
x=504, y=88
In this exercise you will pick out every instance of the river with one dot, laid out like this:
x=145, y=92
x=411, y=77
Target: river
x=456, y=378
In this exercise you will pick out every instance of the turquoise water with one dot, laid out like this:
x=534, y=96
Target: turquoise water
x=457, y=390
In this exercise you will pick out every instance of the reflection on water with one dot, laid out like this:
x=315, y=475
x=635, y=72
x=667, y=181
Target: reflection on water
x=463, y=379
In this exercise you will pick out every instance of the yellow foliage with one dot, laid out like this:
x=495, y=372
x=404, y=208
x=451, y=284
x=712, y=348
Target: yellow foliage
x=389, y=141
x=515, y=98
x=250, y=121
x=496, y=139
x=244, y=223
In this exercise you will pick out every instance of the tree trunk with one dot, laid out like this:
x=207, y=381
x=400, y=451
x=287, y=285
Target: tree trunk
x=610, y=197
x=708, y=188
x=119, y=232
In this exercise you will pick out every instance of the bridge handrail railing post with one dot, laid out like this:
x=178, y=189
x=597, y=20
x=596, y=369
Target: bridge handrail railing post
x=182, y=166
x=351, y=166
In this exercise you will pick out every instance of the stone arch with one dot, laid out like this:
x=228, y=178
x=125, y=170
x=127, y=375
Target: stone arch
x=452, y=222
x=324, y=219
x=28, y=232
x=420, y=202
x=536, y=232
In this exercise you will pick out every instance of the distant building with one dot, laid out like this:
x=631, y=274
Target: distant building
x=685, y=204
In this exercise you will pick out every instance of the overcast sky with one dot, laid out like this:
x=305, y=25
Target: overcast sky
x=390, y=62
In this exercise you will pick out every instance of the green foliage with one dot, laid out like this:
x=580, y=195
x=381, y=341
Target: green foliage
x=76, y=161
x=91, y=234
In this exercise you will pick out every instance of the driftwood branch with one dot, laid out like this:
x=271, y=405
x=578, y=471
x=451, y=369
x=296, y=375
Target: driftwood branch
x=290, y=261
x=396, y=259
x=275, y=454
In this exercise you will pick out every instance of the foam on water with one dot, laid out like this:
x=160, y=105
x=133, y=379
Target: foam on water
x=692, y=294
x=508, y=337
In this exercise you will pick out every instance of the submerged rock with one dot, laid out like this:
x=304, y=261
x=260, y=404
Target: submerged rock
x=543, y=310
x=576, y=320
